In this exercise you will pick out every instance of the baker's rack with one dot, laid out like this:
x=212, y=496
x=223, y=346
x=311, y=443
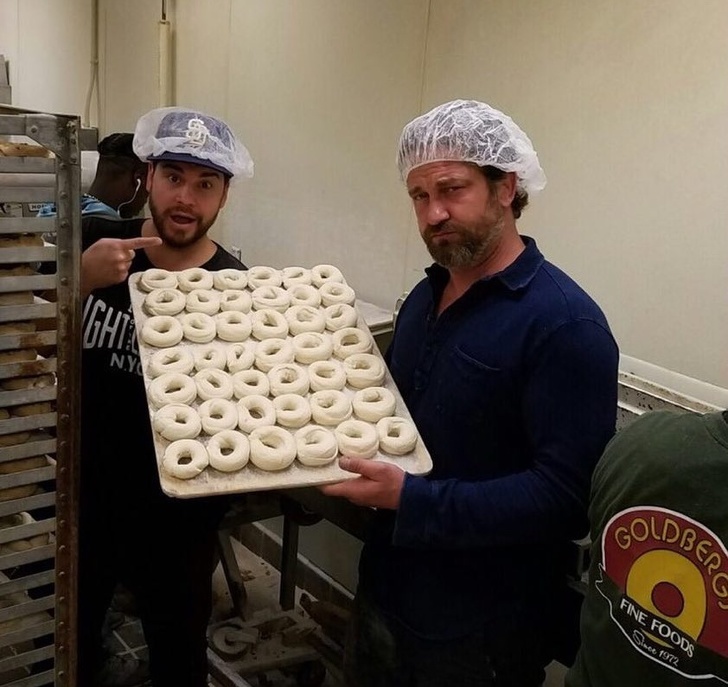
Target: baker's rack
x=38, y=551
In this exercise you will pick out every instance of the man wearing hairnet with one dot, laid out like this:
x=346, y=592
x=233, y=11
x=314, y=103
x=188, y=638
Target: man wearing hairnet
x=160, y=548
x=510, y=372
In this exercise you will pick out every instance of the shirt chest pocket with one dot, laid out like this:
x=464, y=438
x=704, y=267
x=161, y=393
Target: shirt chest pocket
x=469, y=389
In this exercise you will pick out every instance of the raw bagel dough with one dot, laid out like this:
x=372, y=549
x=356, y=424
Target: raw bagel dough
x=240, y=356
x=288, y=378
x=203, y=300
x=233, y=326
x=250, y=383
x=198, y=327
x=295, y=275
x=292, y=410
x=396, y=435
x=269, y=324
x=374, y=403
x=260, y=275
x=363, y=370
x=185, y=459
x=165, y=302
x=212, y=383
x=177, y=421
x=304, y=318
x=334, y=293
x=271, y=297
x=208, y=356
x=172, y=387
x=340, y=315
x=229, y=278
x=273, y=352
x=255, y=412
x=194, y=278
x=177, y=359
x=304, y=294
x=315, y=446
x=236, y=300
x=312, y=346
x=162, y=331
x=330, y=407
x=351, y=340
x=326, y=374
x=357, y=439
x=325, y=273
x=218, y=414
x=272, y=448
x=157, y=279
x=228, y=450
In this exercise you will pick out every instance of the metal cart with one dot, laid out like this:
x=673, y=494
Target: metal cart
x=39, y=401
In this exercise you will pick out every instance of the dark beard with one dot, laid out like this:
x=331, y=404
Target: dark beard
x=174, y=240
x=472, y=246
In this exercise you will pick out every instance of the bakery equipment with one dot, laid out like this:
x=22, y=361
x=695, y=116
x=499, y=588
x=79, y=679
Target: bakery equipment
x=39, y=391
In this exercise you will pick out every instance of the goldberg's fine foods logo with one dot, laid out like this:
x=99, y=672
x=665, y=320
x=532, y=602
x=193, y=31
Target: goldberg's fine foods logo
x=665, y=578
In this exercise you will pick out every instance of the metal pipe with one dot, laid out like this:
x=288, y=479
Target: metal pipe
x=165, y=44
x=93, y=80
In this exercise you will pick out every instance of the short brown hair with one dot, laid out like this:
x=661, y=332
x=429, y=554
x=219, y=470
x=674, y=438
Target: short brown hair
x=493, y=175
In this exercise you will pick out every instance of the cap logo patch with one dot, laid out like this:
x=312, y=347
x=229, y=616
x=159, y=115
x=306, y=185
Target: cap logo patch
x=197, y=132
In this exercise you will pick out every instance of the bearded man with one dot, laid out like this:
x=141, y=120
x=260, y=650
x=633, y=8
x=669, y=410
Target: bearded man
x=161, y=549
x=509, y=370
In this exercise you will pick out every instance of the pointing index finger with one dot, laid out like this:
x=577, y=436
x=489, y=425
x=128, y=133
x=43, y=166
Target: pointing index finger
x=142, y=242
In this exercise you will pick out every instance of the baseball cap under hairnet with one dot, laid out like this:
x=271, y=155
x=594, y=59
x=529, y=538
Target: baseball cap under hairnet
x=183, y=135
x=470, y=131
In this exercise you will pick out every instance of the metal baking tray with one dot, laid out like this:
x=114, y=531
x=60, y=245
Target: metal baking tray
x=251, y=478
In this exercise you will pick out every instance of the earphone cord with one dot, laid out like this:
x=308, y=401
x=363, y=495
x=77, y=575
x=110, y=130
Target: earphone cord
x=131, y=200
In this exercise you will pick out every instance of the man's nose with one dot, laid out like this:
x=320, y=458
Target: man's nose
x=185, y=195
x=436, y=213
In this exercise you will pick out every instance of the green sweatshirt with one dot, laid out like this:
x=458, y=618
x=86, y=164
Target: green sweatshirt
x=656, y=610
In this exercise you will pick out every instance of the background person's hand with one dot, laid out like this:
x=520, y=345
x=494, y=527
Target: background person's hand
x=379, y=485
x=107, y=261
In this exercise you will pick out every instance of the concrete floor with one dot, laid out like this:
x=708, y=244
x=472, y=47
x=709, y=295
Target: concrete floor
x=261, y=583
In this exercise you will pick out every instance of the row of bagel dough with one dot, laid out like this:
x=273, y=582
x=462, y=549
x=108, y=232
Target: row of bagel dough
x=210, y=302
x=357, y=369
x=181, y=421
x=164, y=331
x=253, y=278
x=172, y=378
x=273, y=448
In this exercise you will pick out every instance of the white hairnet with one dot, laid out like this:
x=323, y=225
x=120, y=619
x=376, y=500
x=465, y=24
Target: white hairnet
x=470, y=131
x=185, y=135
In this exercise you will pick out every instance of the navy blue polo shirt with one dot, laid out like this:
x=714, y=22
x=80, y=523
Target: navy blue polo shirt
x=513, y=389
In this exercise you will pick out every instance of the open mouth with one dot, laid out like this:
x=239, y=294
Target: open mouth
x=183, y=219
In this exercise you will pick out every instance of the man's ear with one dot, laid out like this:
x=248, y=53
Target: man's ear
x=506, y=189
x=225, y=194
x=150, y=174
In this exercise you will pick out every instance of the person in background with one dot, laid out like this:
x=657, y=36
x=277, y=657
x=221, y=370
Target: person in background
x=509, y=370
x=161, y=549
x=118, y=190
x=656, y=607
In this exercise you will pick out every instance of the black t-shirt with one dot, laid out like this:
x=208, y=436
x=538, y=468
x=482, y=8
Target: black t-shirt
x=116, y=432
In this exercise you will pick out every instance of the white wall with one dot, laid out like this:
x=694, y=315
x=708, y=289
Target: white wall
x=626, y=103
x=48, y=46
x=318, y=91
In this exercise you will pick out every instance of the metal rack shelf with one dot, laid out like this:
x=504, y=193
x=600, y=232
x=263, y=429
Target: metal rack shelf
x=39, y=403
